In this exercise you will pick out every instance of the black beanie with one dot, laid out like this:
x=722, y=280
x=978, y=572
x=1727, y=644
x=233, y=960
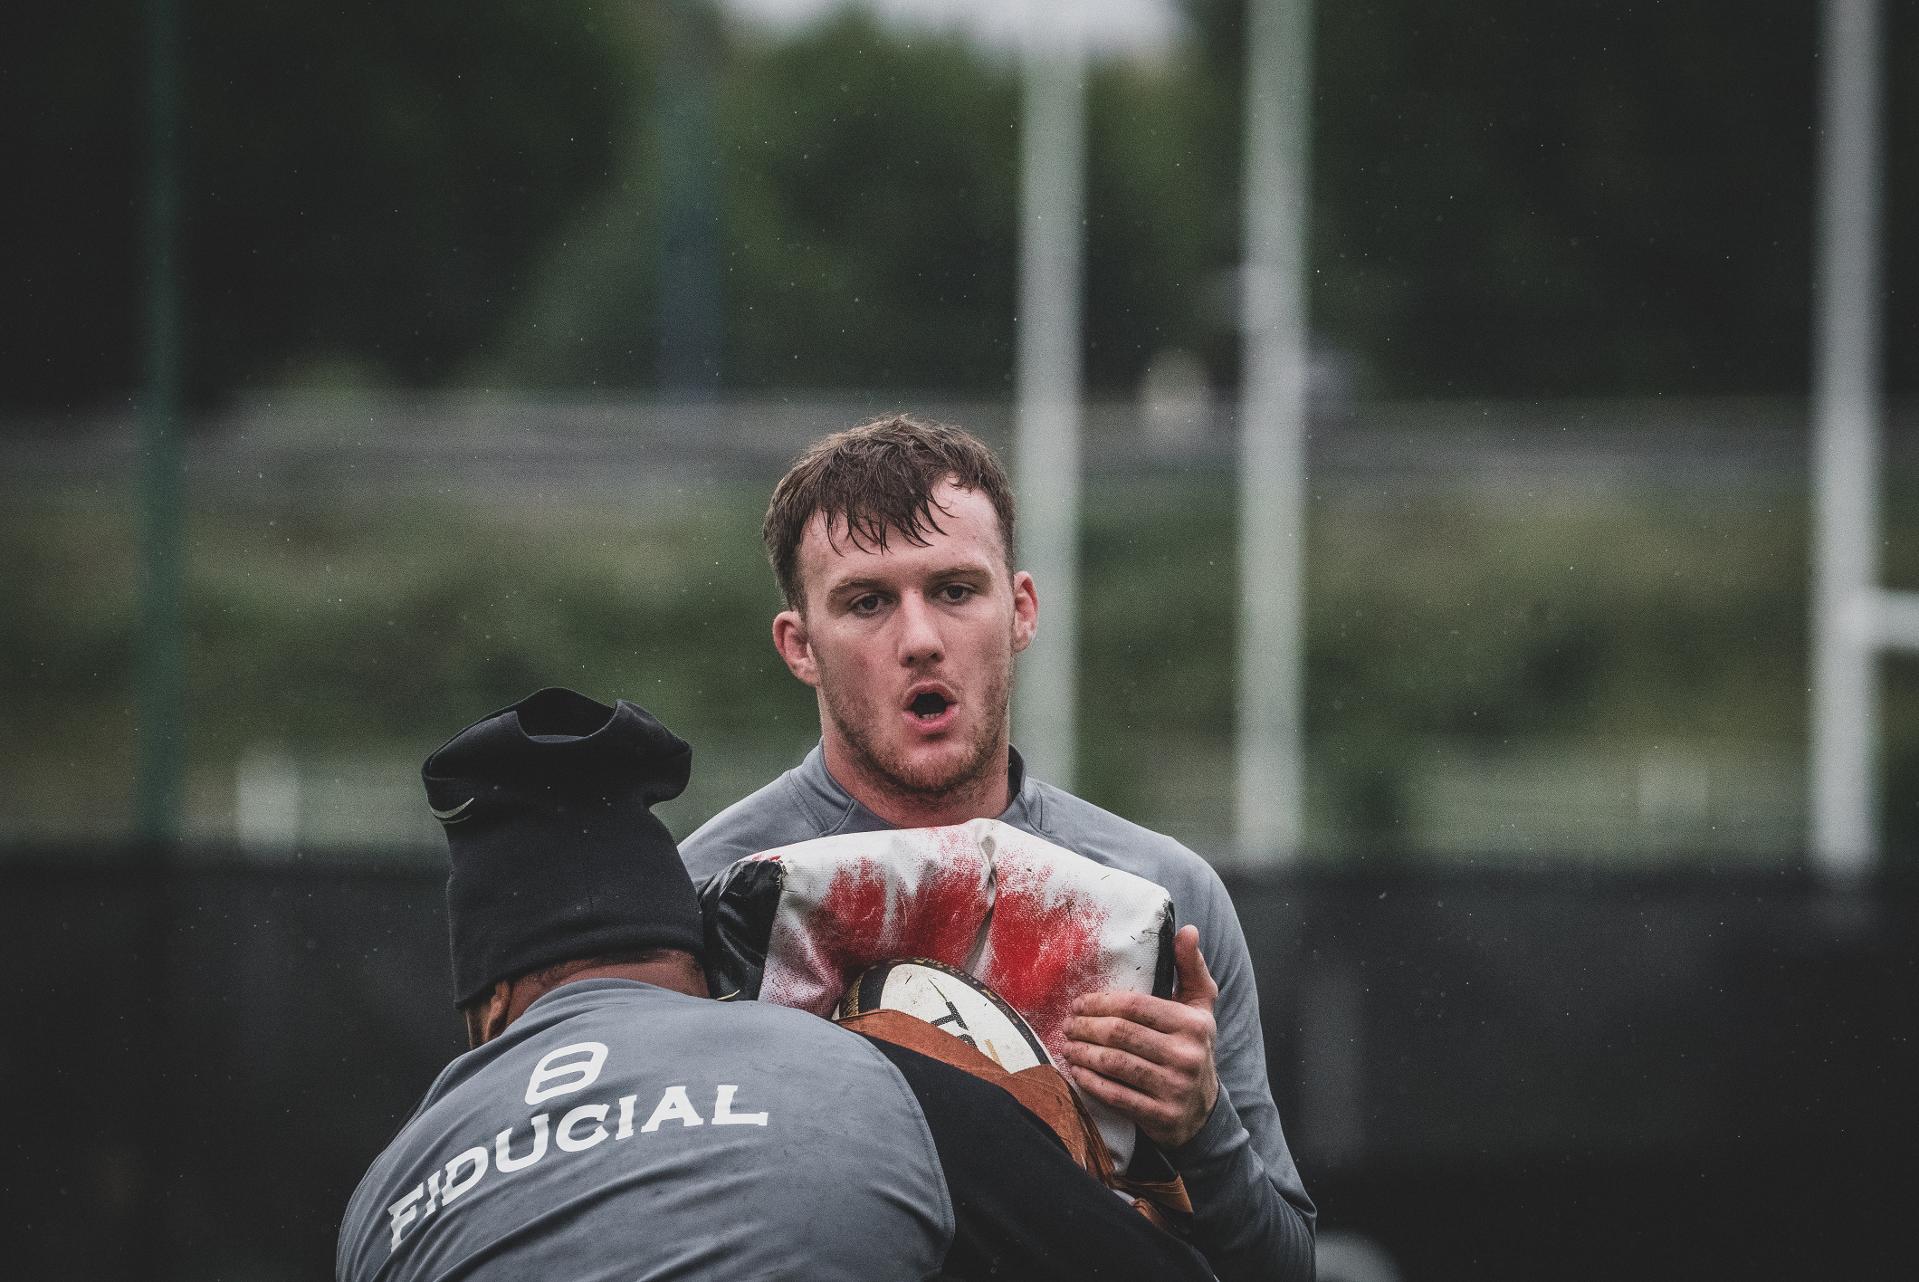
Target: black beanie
x=555, y=853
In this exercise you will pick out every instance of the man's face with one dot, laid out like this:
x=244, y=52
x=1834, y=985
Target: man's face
x=911, y=650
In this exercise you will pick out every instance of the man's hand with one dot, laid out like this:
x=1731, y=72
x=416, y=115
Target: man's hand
x=1151, y=1058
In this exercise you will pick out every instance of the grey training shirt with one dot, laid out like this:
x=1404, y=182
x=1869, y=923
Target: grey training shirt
x=619, y=1130
x=1253, y=1218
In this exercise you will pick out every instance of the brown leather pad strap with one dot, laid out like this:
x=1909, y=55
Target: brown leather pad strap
x=1046, y=1094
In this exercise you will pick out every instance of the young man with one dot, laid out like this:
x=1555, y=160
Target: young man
x=892, y=543
x=611, y=1122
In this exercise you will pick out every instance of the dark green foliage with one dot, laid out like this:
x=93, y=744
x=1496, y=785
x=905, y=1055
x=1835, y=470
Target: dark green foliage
x=1566, y=199
x=364, y=186
x=69, y=242
x=1508, y=199
x=1162, y=219
x=371, y=180
x=871, y=191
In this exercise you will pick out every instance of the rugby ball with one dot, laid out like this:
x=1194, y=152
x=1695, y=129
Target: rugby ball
x=951, y=1001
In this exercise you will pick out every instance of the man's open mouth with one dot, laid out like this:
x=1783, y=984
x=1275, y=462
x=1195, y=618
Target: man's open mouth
x=929, y=704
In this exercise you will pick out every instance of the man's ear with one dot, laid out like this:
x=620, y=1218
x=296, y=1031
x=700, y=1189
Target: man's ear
x=790, y=639
x=487, y=1020
x=1025, y=611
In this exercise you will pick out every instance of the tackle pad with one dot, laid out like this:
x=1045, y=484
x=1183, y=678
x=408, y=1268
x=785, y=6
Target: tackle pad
x=1037, y=924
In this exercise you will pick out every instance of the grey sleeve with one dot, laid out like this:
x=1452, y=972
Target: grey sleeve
x=764, y=820
x=1251, y=1213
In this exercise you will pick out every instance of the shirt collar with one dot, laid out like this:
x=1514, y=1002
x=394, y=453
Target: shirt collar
x=837, y=810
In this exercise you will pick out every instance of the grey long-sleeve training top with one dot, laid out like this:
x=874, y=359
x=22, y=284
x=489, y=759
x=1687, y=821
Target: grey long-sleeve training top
x=1253, y=1218
x=621, y=1131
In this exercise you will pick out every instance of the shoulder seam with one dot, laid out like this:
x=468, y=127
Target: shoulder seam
x=825, y=829
x=804, y=803
x=1130, y=826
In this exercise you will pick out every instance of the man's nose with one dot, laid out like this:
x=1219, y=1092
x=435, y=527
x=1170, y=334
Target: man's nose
x=919, y=634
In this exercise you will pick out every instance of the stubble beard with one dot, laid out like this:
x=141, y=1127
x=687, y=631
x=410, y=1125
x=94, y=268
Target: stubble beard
x=928, y=783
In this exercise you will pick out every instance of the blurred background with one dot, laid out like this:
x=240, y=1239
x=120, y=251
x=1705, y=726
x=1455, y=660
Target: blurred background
x=368, y=367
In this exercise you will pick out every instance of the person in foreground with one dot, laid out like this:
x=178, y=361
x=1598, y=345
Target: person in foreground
x=892, y=543
x=612, y=1122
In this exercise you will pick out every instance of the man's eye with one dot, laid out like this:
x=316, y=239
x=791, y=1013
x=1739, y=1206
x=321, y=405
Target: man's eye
x=865, y=604
x=954, y=593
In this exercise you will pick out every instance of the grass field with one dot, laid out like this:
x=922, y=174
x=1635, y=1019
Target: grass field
x=1543, y=672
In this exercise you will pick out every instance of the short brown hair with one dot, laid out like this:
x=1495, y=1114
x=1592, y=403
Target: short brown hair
x=877, y=477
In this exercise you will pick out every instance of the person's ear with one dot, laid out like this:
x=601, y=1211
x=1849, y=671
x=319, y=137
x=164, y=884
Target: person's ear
x=1025, y=611
x=796, y=648
x=487, y=1020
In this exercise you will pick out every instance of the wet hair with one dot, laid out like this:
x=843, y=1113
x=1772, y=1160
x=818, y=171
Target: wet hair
x=874, y=479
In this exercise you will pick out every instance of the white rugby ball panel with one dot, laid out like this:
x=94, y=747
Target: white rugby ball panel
x=953, y=1002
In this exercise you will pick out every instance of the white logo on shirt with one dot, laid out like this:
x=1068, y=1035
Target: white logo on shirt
x=561, y=1072
x=562, y=1064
